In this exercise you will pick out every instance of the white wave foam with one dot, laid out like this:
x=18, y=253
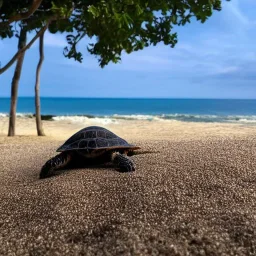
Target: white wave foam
x=17, y=114
x=85, y=119
x=24, y=115
x=189, y=116
x=137, y=117
x=3, y=115
x=113, y=119
x=243, y=119
x=211, y=118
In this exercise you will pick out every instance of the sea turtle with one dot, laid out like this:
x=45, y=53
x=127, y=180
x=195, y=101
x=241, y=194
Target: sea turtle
x=92, y=143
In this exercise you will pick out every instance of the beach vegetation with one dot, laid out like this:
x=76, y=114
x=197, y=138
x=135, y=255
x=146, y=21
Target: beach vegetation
x=113, y=26
x=27, y=16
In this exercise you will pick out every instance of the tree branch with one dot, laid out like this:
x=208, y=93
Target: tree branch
x=25, y=15
x=16, y=56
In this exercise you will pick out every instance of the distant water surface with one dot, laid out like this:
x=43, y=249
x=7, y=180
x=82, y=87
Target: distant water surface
x=196, y=110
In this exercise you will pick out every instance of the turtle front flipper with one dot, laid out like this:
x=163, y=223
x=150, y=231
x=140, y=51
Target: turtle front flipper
x=55, y=163
x=123, y=162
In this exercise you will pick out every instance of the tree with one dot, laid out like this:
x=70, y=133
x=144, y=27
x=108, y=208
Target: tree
x=130, y=25
x=24, y=28
x=22, y=50
x=29, y=24
x=35, y=14
x=118, y=26
x=15, y=82
x=18, y=16
x=39, y=126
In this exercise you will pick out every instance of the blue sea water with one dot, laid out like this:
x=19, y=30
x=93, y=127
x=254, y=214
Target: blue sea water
x=196, y=110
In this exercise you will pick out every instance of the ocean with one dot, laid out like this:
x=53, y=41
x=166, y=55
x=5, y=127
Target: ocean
x=189, y=110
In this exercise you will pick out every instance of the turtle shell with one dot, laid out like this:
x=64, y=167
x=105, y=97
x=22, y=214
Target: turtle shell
x=95, y=137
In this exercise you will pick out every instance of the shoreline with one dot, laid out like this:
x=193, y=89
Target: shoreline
x=132, y=129
x=183, y=117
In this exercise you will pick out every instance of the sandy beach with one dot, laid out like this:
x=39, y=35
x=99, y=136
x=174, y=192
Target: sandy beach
x=133, y=129
x=193, y=192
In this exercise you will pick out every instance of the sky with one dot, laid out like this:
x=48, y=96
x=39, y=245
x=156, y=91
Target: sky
x=216, y=59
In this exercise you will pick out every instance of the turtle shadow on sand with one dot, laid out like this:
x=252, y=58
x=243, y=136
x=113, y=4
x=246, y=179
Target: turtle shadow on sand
x=72, y=168
x=90, y=166
x=77, y=164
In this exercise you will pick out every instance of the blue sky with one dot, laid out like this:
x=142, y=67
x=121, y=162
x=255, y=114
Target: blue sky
x=216, y=59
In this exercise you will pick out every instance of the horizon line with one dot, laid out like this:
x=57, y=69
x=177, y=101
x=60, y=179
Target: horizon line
x=130, y=98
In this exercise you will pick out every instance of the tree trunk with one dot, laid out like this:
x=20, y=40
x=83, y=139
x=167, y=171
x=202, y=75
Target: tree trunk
x=25, y=47
x=39, y=125
x=15, y=82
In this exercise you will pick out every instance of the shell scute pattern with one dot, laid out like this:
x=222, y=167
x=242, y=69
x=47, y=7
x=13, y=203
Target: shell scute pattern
x=102, y=143
x=113, y=142
x=72, y=145
x=122, y=142
x=92, y=144
x=78, y=136
x=110, y=135
x=90, y=135
x=83, y=144
x=101, y=134
x=93, y=138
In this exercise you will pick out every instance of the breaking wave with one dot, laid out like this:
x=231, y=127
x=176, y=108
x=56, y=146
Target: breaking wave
x=82, y=119
x=242, y=119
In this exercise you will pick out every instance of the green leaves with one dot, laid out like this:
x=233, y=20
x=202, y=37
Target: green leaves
x=116, y=26
x=62, y=9
x=94, y=11
x=6, y=32
x=71, y=51
x=126, y=20
x=132, y=25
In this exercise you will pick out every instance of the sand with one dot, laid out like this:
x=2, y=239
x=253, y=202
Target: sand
x=193, y=193
x=134, y=129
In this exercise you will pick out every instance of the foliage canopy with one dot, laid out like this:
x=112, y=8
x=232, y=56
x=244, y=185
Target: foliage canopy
x=114, y=25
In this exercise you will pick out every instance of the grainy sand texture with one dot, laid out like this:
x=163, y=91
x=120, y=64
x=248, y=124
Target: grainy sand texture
x=193, y=193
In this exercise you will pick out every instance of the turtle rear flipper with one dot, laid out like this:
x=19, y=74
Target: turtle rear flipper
x=55, y=163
